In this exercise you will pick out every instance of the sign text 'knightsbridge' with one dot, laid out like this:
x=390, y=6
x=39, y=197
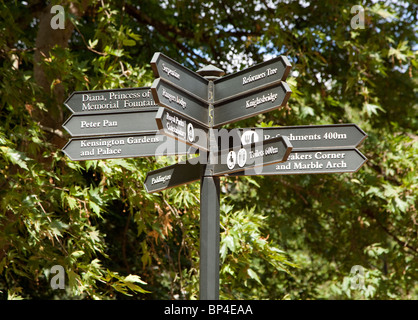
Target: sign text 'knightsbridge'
x=182, y=114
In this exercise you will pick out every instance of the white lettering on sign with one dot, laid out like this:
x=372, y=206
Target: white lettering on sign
x=251, y=78
x=89, y=124
x=312, y=137
x=109, y=146
x=135, y=104
x=318, y=161
x=297, y=156
x=271, y=150
x=123, y=95
x=141, y=140
x=110, y=100
x=87, y=153
x=178, y=131
x=309, y=165
x=271, y=97
x=174, y=98
x=97, y=124
x=306, y=137
x=90, y=97
x=176, y=120
x=320, y=155
x=260, y=153
x=108, y=151
x=99, y=106
x=171, y=72
x=108, y=123
x=176, y=125
x=336, y=165
x=160, y=179
x=100, y=142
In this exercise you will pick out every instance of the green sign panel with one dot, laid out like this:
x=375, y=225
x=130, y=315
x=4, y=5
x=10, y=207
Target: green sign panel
x=306, y=137
x=313, y=162
x=180, y=76
x=175, y=99
x=252, y=155
x=253, y=78
x=173, y=176
x=112, y=123
x=180, y=128
x=144, y=145
x=110, y=101
x=251, y=104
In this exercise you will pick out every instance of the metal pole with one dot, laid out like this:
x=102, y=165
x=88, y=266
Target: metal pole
x=209, y=237
x=209, y=207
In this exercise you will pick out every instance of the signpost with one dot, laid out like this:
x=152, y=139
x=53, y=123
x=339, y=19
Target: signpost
x=314, y=162
x=253, y=78
x=307, y=137
x=180, y=128
x=116, y=123
x=112, y=123
x=248, y=105
x=178, y=75
x=173, y=176
x=169, y=96
x=132, y=146
x=108, y=101
x=122, y=123
x=252, y=156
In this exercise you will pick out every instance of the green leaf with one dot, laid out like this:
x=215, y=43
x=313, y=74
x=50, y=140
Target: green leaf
x=372, y=109
x=128, y=42
x=15, y=157
x=253, y=275
x=230, y=243
x=134, y=279
x=57, y=227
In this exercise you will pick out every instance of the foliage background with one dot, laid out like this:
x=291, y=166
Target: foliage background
x=283, y=237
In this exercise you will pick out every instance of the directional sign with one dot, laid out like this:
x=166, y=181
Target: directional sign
x=180, y=128
x=251, y=104
x=112, y=123
x=169, y=96
x=173, y=176
x=253, y=155
x=306, y=137
x=314, y=161
x=185, y=79
x=272, y=71
x=110, y=101
x=144, y=145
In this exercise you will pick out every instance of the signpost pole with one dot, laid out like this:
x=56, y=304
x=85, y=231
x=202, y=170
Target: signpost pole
x=209, y=237
x=209, y=207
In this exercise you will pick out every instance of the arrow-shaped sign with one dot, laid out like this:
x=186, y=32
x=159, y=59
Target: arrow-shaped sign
x=110, y=101
x=251, y=104
x=253, y=155
x=314, y=161
x=260, y=75
x=171, y=97
x=112, y=123
x=182, y=77
x=173, y=176
x=180, y=128
x=306, y=137
x=144, y=145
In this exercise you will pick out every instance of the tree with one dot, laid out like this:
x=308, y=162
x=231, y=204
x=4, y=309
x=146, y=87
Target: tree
x=292, y=237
